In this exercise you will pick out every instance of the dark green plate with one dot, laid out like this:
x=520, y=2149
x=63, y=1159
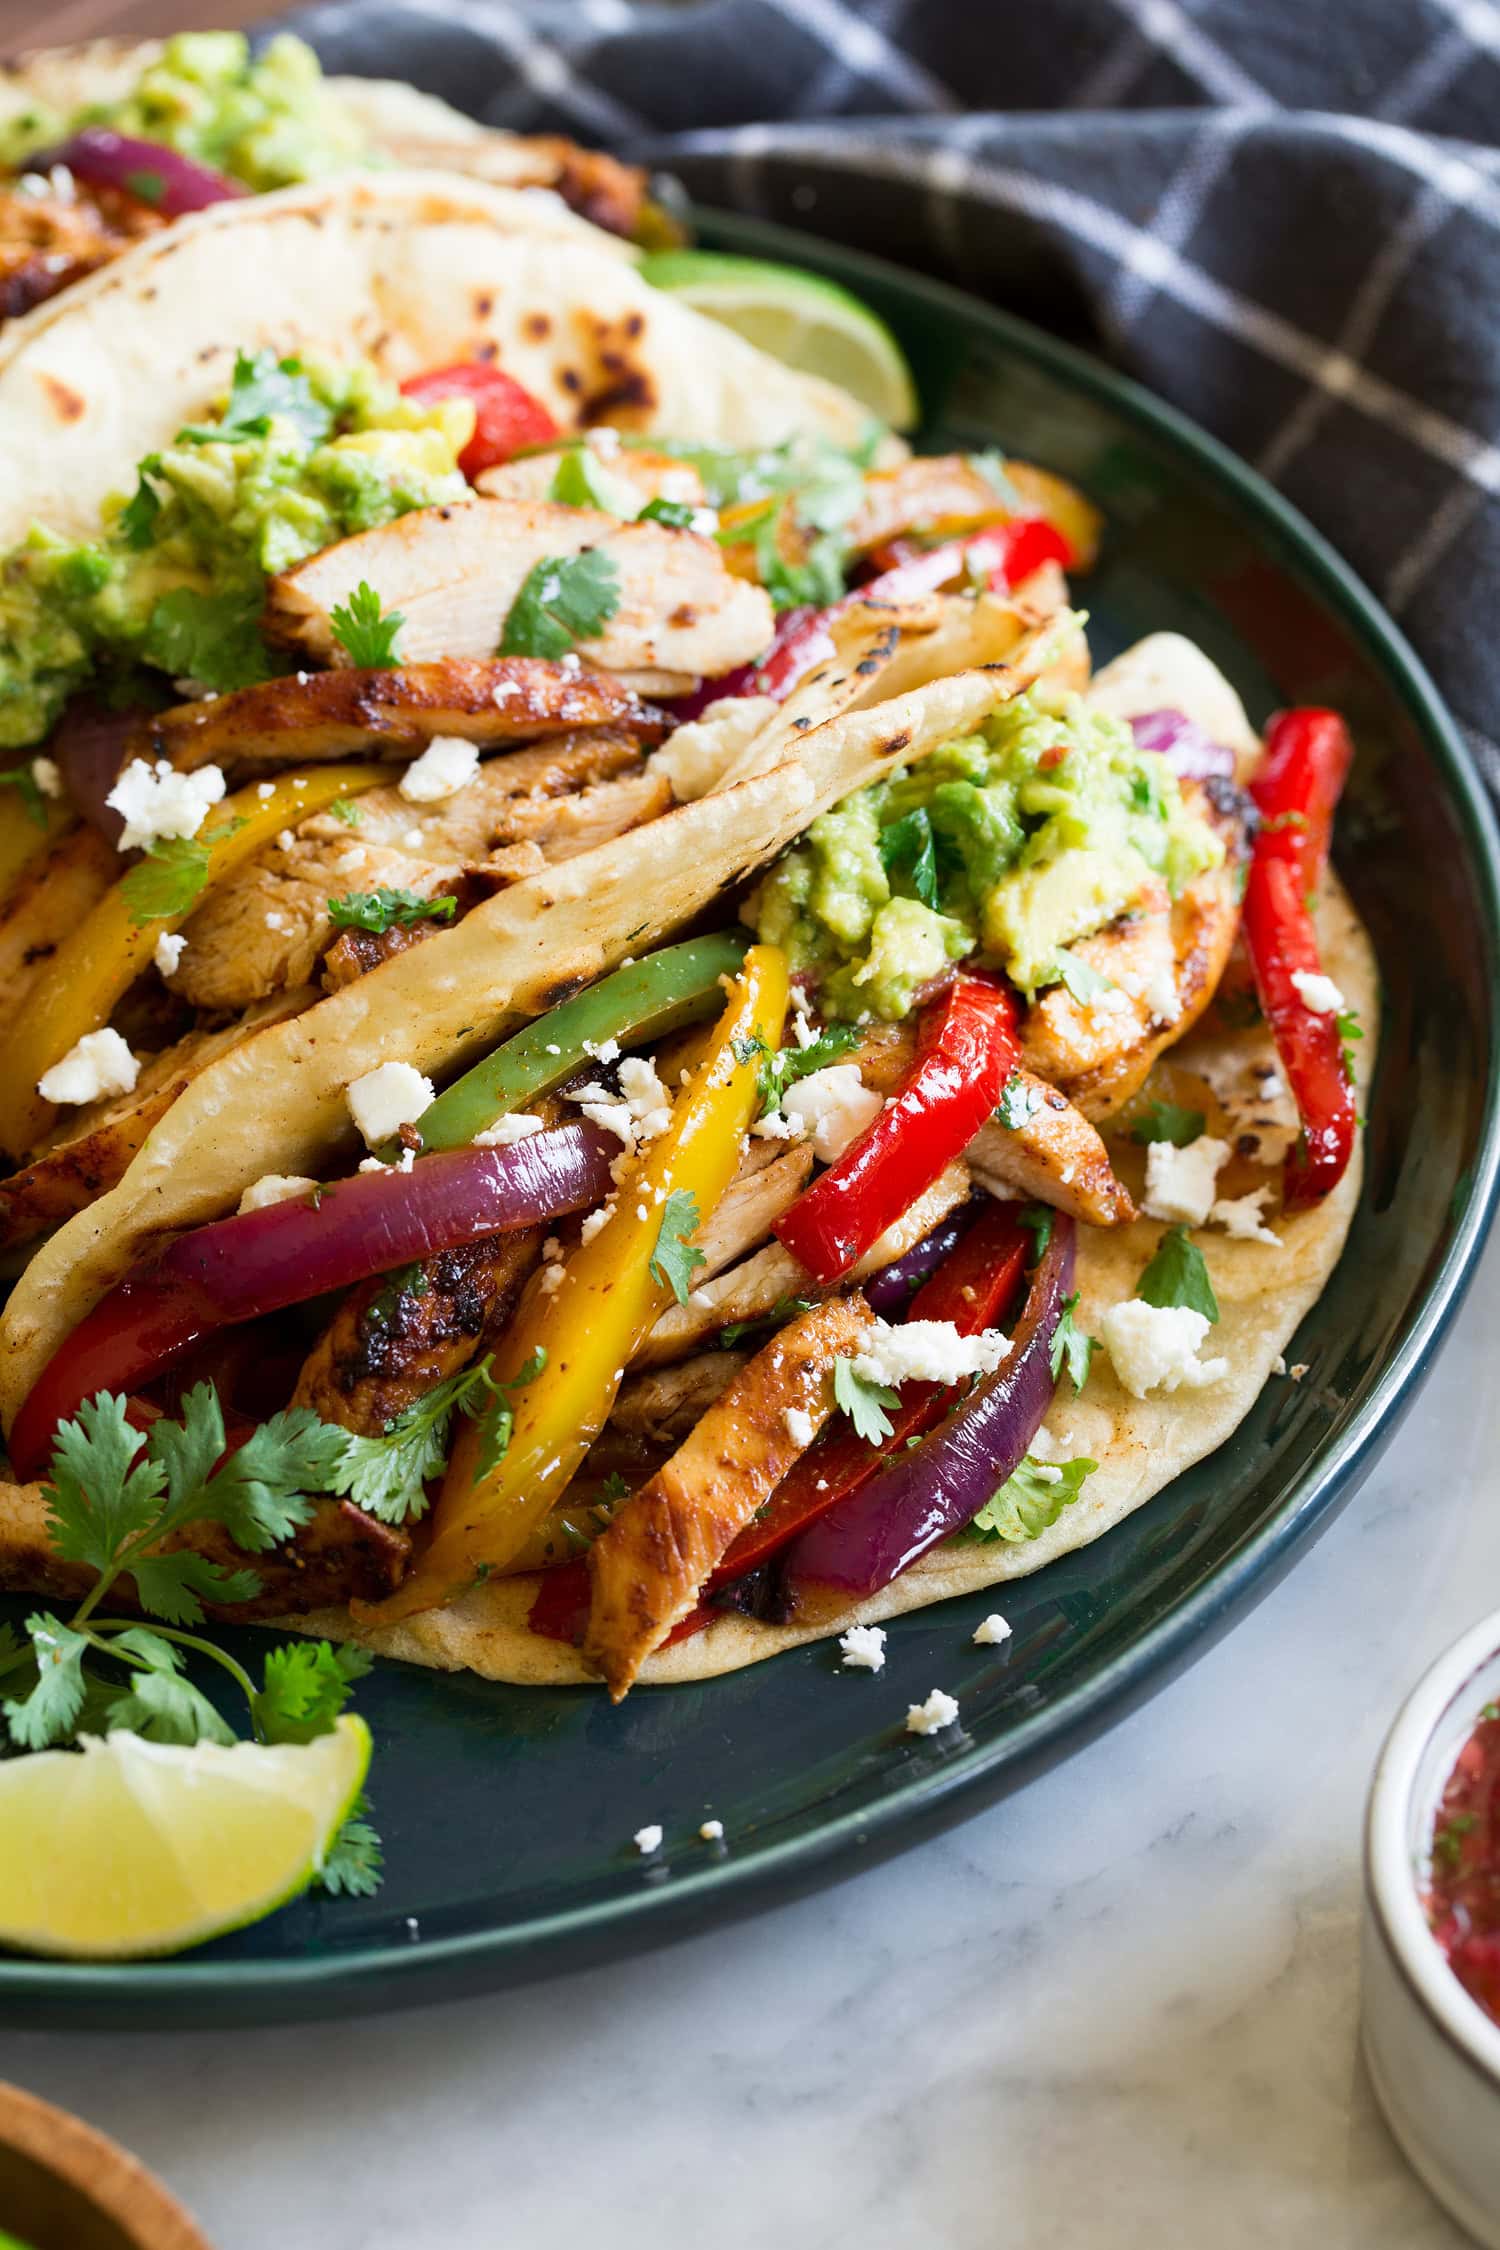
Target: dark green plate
x=508, y=1815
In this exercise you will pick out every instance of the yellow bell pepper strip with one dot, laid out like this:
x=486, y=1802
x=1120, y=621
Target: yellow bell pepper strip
x=96, y=965
x=23, y=837
x=581, y=1336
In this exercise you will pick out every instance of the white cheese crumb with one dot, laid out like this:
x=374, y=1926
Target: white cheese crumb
x=506, y=1131
x=1160, y=994
x=712, y=1831
x=863, y=1648
x=1046, y=1472
x=158, y=801
x=447, y=765
x=1044, y=1446
x=1278, y=1364
x=1297, y=1370
x=275, y=921
x=47, y=775
x=834, y=1106
x=168, y=952
x=1180, y=1181
x=1318, y=993
x=1243, y=1217
x=648, y=1839
x=779, y=1127
x=799, y=1425
x=991, y=1631
x=931, y=1717
x=594, y=1221
x=285, y=840
x=384, y=1099
x=265, y=789
x=700, y=1298
x=274, y=1187
x=413, y=840
x=602, y=1050
x=1155, y=1347
x=552, y=1248
x=551, y=1279
x=403, y=1163
x=927, y=1351
x=99, y=1064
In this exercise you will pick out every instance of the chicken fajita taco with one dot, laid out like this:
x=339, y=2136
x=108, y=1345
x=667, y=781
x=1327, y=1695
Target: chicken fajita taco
x=597, y=996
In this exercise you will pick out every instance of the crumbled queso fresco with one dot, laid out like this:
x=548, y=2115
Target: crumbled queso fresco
x=863, y=1648
x=158, y=801
x=799, y=1426
x=274, y=1187
x=1180, y=1181
x=648, y=1839
x=931, y=1717
x=991, y=1631
x=386, y=1098
x=1318, y=993
x=927, y=1351
x=168, y=951
x=99, y=1064
x=506, y=1131
x=447, y=765
x=1155, y=1347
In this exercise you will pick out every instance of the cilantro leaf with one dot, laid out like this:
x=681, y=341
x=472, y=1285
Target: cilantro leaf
x=379, y=910
x=1177, y=1275
x=174, y=1587
x=139, y=514
x=50, y=1712
x=1020, y=1100
x=159, y=1703
x=1037, y=1219
x=1070, y=1347
x=264, y=387
x=368, y=638
x=1165, y=1121
x=354, y=1866
x=100, y=1497
x=1347, y=1024
x=785, y=1308
x=306, y=1685
x=1030, y=1501
x=675, y=1260
x=562, y=600
x=582, y=482
x=350, y=814
x=168, y=882
x=1074, y=973
x=864, y=1401
x=387, y=1476
x=212, y=638
x=677, y=515
x=788, y=1064
x=23, y=780
x=264, y=1491
x=908, y=855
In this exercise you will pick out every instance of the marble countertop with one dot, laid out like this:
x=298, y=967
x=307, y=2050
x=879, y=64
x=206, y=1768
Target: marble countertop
x=1117, y=2011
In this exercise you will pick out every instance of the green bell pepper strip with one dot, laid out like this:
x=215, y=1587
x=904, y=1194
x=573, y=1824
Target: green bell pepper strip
x=649, y=998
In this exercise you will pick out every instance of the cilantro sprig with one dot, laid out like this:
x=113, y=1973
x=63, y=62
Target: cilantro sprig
x=1178, y=1275
x=675, y=1259
x=1020, y=1101
x=1168, y=1121
x=265, y=388
x=562, y=600
x=367, y=638
x=1030, y=1501
x=384, y=908
x=1078, y=978
x=866, y=1402
x=1070, y=1347
x=789, y=1064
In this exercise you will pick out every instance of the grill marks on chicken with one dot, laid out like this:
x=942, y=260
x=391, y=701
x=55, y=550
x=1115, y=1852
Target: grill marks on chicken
x=647, y=1567
x=398, y=1335
x=48, y=240
x=309, y=717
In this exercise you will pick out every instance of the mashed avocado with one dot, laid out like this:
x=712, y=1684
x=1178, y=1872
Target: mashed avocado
x=1010, y=845
x=296, y=458
x=268, y=122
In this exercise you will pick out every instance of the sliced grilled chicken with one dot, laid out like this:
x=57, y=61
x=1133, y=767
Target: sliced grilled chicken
x=454, y=573
x=768, y=1183
x=662, y=1406
x=395, y=1337
x=773, y=1278
x=650, y=476
x=48, y=240
x=648, y=1566
x=1164, y=962
x=1056, y=1157
x=342, y=1553
x=54, y=893
x=308, y=717
x=598, y=187
x=95, y=1145
x=941, y=493
x=269, y=925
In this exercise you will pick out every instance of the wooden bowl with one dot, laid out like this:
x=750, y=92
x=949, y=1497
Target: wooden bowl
x=65, y=2187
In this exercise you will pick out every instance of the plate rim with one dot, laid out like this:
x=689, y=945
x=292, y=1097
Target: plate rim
x=176, y=1992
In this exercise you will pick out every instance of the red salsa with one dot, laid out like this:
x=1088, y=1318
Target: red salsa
x=1463, y=1904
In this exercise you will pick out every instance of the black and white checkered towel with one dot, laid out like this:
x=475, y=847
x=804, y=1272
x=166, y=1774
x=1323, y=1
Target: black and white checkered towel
x=1283, y=215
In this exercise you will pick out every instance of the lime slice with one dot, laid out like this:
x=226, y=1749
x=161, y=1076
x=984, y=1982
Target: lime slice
x=799, y=319
x=126, y=1848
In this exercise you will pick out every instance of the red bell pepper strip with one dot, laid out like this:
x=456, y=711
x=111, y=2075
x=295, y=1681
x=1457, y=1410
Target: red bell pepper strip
x=506, y=416
x=560, y=1611
x=972, y=1289
x=966, y=1050
x=1308, y=757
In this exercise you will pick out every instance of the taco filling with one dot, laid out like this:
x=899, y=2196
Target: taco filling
x=599, y=973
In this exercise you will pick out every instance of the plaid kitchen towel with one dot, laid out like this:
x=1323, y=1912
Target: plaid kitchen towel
x=1283, y=215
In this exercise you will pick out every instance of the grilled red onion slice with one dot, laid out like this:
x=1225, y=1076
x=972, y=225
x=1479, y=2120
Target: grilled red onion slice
x=170, y=183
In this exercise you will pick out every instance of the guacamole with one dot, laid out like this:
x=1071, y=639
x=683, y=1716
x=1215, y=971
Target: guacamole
x=268, y=121
x=1010, y=845
x=295, y=458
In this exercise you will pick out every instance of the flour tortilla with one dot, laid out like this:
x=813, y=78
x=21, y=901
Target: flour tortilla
x=409, y=270
x=1140, y=1444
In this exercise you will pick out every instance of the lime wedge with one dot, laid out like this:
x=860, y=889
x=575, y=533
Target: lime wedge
x=799, y=319
x=126, y=1848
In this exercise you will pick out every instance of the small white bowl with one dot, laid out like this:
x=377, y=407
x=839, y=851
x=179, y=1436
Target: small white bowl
x=1433, y=2053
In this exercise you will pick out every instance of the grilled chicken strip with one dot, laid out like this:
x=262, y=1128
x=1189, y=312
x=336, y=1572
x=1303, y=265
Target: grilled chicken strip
x=648, y=1566
x=50, y=238
x=773, y=1277
x=309, y=717
x=454, y=573
x=92, y=1149
x=599, y=188
x=650, y=476
x=54, y=893
x=662, y=1405
x=1164, y=960
x=396, y=1336
x=268, y=925
x=341, y=1554
x=768, y=1183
